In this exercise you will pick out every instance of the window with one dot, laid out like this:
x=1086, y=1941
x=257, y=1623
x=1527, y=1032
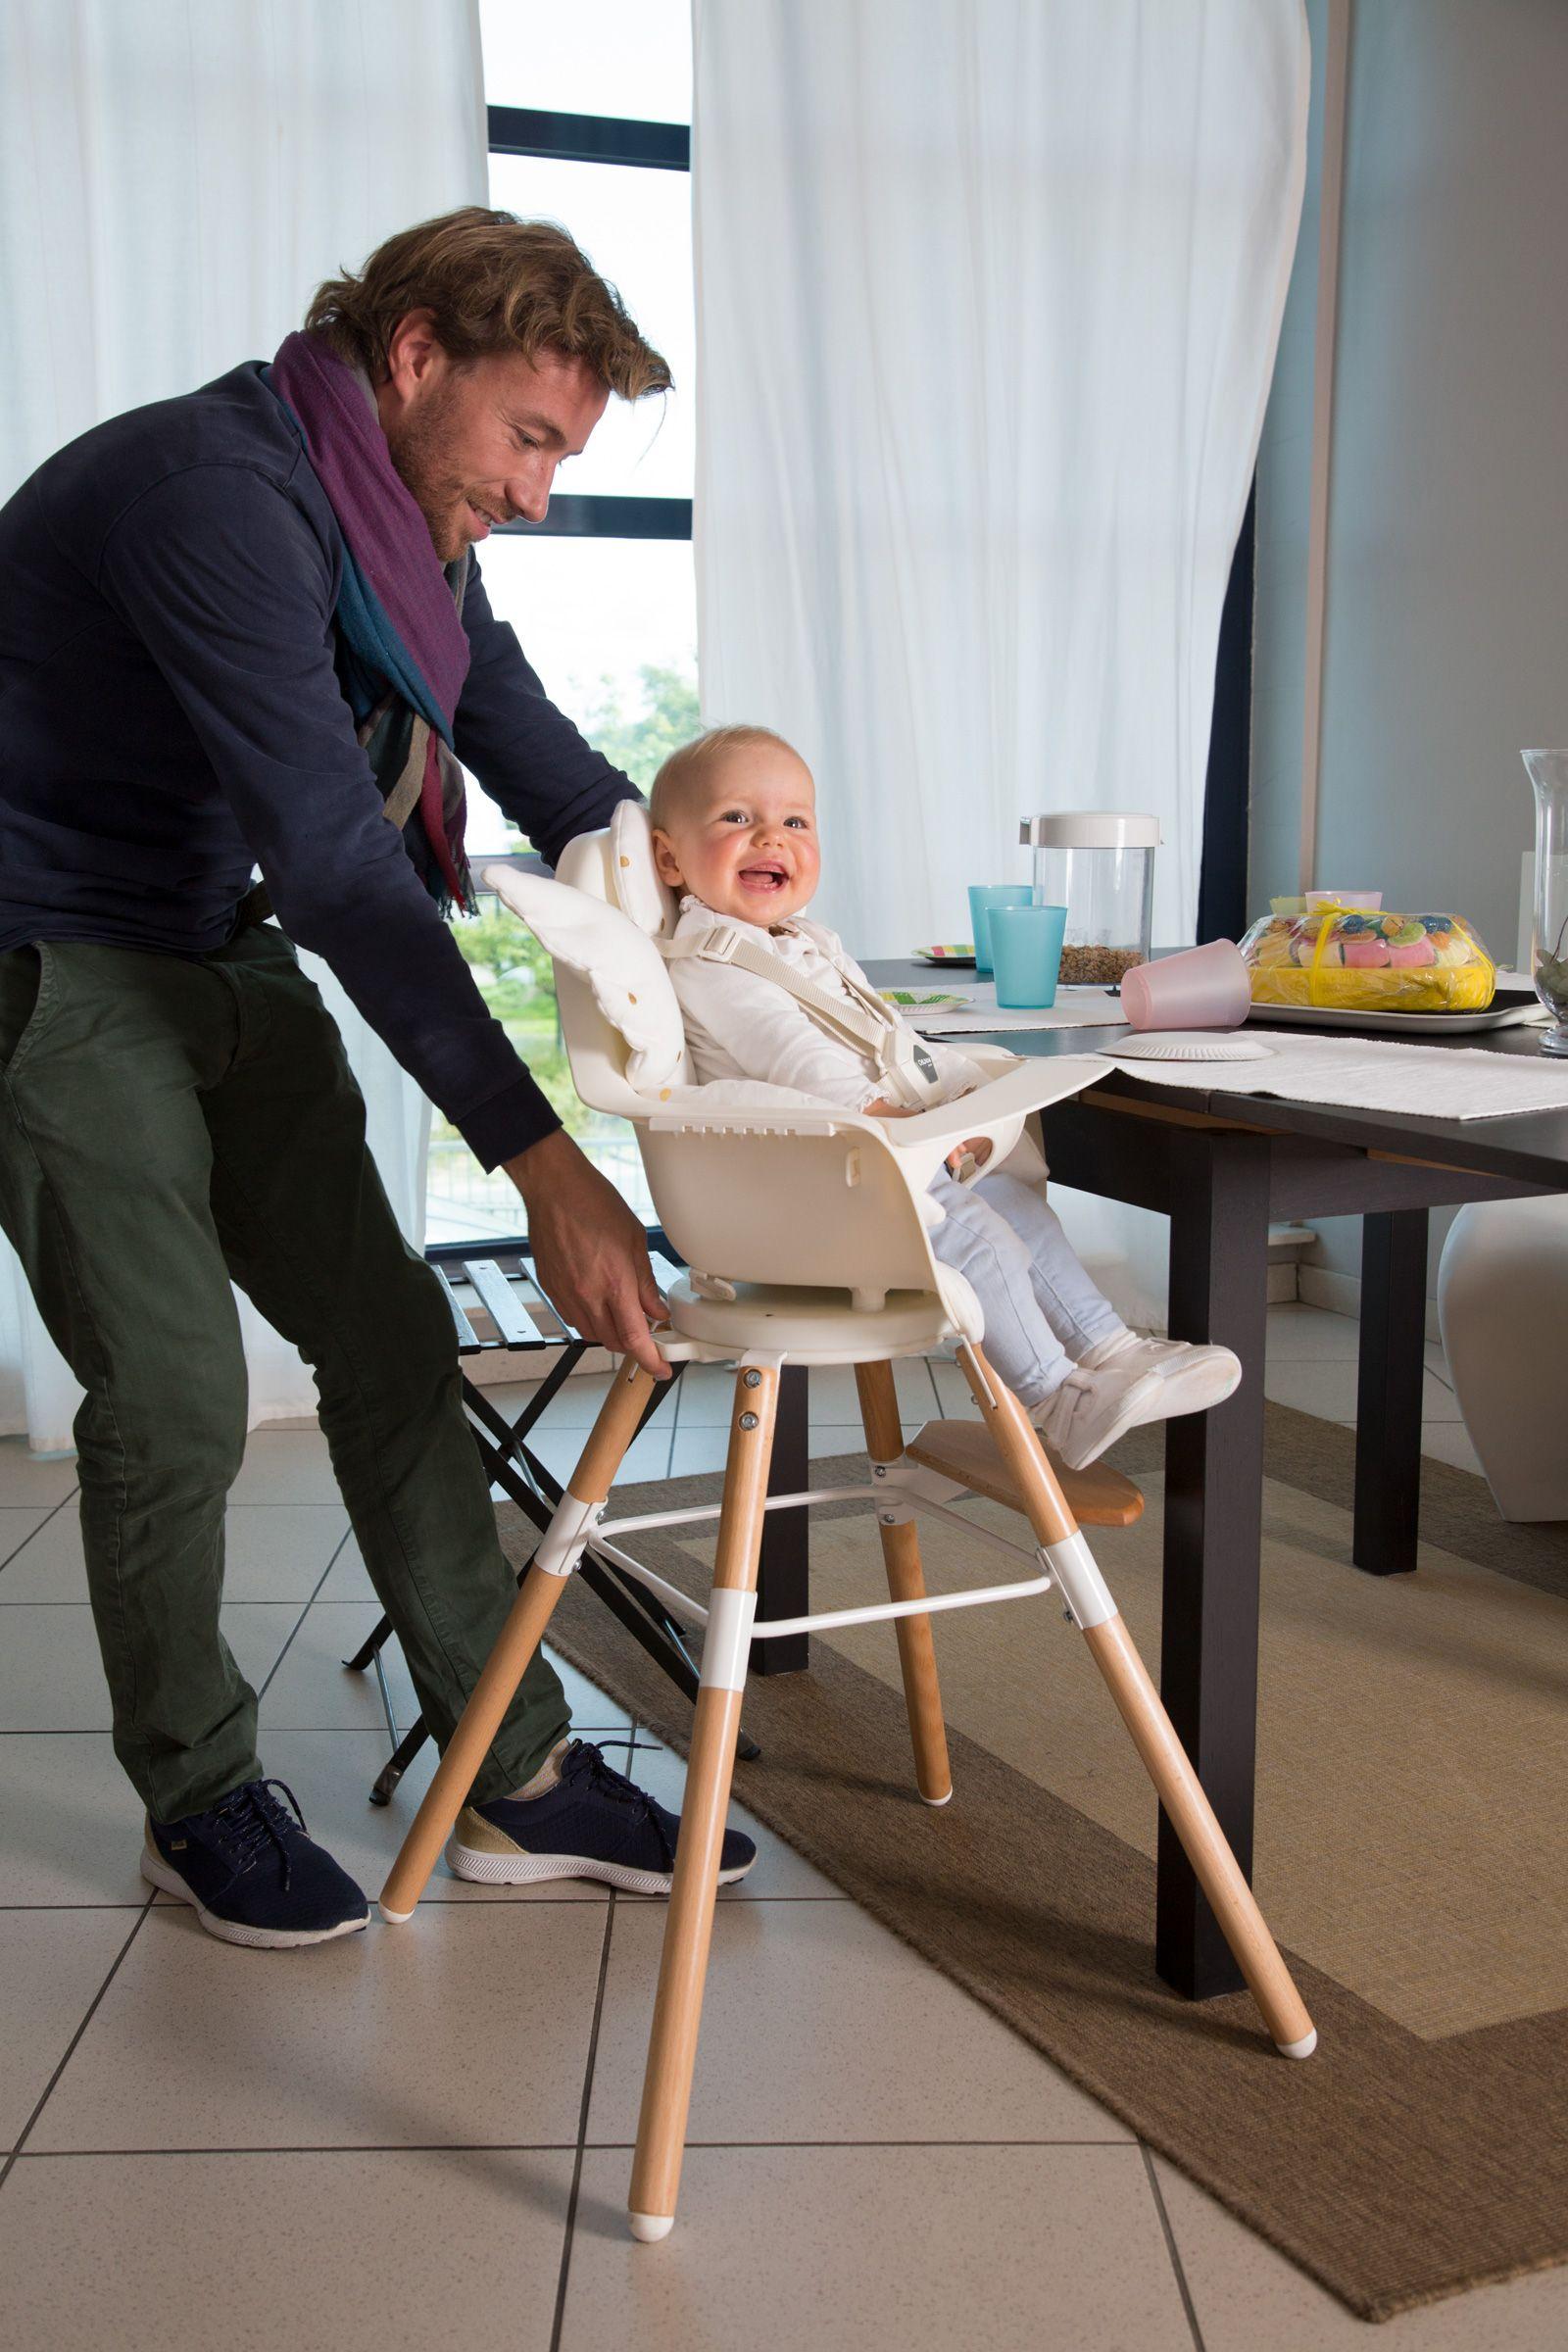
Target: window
x=589, y=112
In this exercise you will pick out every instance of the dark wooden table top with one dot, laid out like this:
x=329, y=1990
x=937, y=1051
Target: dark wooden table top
x=1530, y=1147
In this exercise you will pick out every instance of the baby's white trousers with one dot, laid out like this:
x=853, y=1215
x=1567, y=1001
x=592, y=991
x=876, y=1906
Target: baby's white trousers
x=1042, y=1312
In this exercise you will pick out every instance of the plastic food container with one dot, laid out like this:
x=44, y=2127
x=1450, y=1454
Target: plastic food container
x=1358, y=960
x=1100, y=864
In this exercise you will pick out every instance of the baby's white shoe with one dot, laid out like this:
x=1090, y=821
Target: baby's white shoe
x=1093, y=1408
x=1195, y=1377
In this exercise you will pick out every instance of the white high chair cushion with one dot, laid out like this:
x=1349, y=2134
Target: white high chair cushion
x=634, y=877
x=620, y=962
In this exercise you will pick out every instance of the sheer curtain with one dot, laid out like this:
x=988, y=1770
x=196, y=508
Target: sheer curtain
x=175, y=178
x=988, y=294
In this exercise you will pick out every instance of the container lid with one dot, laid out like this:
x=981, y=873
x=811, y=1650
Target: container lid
x=1090, y=830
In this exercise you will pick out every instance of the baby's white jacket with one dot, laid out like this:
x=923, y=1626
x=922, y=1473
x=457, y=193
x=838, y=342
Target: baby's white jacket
x=740, y=1026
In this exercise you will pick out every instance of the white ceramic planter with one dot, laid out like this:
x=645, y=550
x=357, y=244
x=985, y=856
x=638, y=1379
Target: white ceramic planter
x=1503, y=1306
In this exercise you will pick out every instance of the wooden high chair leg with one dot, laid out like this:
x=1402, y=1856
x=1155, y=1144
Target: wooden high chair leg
x=901, y=1555
x=560, y=1550
x=1180, y=1790
x=689, y=1927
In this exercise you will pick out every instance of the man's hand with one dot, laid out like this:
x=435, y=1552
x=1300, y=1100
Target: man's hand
x=589, y=1251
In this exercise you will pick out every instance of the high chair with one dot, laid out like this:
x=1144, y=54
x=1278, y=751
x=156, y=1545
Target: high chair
x=807, y=1231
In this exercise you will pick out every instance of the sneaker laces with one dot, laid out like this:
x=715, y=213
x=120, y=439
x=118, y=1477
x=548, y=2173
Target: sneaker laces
x=584, y=1766
x=250, y=1821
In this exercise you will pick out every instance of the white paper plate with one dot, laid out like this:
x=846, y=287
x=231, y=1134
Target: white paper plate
x=1192, y=1045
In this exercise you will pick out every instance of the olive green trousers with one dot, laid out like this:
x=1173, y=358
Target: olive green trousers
x=169, y=1125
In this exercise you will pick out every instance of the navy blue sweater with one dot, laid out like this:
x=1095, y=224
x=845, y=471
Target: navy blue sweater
x=171, y=718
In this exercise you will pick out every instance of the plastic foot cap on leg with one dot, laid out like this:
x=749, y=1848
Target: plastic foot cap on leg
x=394, y=1919
x=1299, y=2049
x=649, y=2227
x=946, y=1798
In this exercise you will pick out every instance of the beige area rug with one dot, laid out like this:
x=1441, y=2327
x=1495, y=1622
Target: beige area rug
x=1412, y=1853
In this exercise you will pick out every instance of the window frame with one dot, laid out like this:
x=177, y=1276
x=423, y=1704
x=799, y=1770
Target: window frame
x=614, y=140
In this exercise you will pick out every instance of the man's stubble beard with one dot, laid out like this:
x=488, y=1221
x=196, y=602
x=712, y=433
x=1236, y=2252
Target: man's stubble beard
x=418, y=450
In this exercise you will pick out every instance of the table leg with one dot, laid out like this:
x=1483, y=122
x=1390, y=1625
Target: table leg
x=1213, y=1531
x=1388, y=1405
x=784, y=1569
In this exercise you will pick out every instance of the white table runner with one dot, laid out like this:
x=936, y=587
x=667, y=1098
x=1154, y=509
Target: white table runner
x=1428, y=1081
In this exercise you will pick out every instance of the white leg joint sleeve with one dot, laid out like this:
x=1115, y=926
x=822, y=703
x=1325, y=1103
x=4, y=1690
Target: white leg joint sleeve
x=1079, y=1580
x=727, y=1642
x=561, y=1545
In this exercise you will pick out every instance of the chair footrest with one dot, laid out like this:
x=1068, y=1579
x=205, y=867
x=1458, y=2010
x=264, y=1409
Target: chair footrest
x=1098, y=1497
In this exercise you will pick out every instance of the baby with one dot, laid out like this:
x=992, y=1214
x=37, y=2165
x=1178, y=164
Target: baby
x=734, y=817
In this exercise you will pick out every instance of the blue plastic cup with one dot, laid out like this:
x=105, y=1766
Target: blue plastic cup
x=982, y=896
x=1026, y=944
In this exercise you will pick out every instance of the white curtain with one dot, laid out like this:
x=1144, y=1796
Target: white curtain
x=176, y=176
x=988, y=294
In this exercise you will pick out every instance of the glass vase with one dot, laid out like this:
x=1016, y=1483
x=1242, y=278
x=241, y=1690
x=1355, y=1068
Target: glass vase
x=1549, y=941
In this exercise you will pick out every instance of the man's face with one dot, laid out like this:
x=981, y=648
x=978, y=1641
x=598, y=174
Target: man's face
x=478, y=443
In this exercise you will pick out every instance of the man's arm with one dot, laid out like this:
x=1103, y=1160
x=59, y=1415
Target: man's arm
x=530, y=759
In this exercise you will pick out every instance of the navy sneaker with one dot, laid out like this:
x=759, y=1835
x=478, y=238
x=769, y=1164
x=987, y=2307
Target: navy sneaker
x=251, y=1873
x=593, y=1823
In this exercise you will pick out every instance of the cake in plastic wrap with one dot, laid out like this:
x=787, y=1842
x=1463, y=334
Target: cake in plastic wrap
x=1352, y=959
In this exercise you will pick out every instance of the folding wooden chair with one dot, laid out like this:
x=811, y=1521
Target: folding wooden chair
x=497, y=1305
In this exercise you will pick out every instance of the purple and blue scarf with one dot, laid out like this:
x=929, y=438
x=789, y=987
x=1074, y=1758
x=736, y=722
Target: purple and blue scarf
x=399, y=614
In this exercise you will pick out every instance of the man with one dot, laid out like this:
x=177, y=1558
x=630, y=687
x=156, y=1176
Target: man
x=245, y=628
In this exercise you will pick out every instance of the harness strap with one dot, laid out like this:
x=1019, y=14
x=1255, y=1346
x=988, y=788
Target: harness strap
x=862, y=1021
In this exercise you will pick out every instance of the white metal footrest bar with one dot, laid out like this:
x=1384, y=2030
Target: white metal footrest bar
x=930, y=1604
x=908, y=1489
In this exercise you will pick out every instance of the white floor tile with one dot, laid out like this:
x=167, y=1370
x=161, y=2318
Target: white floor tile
x=1298, y=1334
x=18, y=1527
x=52, y=1963
x=928, y=2249
x=810, y=2019
x=470, y=2026
x=29, y=1483
x=318, y=2252
x=73, y=1823
x=285, y=1465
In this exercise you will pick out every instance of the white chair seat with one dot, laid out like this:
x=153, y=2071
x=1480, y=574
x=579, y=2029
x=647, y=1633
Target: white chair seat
x=809, y=1326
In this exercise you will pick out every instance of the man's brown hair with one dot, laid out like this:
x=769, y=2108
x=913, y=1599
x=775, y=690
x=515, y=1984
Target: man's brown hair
x=492, y=283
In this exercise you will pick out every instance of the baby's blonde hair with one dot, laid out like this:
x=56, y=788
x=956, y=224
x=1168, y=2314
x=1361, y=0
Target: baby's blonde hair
x=688, y=767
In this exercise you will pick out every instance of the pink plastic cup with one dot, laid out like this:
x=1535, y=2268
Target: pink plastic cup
x=1202, y=988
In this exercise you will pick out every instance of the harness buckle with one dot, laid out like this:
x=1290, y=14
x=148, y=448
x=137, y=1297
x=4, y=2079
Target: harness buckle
x=721, y=945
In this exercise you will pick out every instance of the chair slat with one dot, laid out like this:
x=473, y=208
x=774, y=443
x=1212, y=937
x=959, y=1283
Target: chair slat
x=469, y=1341
x=502, y=1303
x=526, y=1268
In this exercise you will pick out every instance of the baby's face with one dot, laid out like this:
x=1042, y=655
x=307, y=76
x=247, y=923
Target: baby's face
x=744, y=841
